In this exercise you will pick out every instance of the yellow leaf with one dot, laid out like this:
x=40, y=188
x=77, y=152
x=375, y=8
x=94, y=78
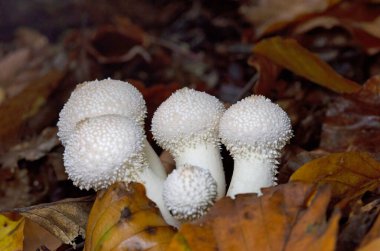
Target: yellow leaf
x=123, y=218
x=287, y=217
x=350, y=174
x=11, y=233
x=292, y=56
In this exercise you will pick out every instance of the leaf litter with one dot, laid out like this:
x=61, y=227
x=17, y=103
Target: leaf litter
x=317, y=59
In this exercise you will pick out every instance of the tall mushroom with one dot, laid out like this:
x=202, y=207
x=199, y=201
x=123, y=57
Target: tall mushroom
x=101, y=97
x=106, y=149
x=254, y=130
x=186, y=125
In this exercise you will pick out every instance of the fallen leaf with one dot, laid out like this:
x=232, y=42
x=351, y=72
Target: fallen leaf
x=11, y=233
x=14, y=188
x=66, y=219
x=372, y=246
x=272, y=15
x=268, y=73
x=287, y=217
x=124, y=218
x=352, y=121
x=17, y=110
x=326, y=22
x=36, y=236
x=350, y=174
x=13, y=63
x=360, y=219
x=292, y=56
x=371, y=241
x=31, y=150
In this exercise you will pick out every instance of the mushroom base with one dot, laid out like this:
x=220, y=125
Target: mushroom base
x=252, y=174
x=154, y=186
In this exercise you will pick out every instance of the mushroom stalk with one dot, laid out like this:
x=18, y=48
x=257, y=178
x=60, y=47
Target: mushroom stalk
x=154, y=161
x=251, y=174
x=154, y=188
x=206, y=156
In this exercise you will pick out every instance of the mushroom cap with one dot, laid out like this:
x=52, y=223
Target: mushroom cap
x=189, y=191
x=100, y=97
x=186, y=118
x=255, y=125
x=103, y=150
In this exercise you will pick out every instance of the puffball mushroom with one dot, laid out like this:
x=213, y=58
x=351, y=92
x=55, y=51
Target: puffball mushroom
x=189, y=192
x=106, y=149
x=254, y=130
x=186, y=124
x=101, y=97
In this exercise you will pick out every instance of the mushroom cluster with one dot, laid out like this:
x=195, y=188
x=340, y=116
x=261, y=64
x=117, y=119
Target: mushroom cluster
x=101, y=127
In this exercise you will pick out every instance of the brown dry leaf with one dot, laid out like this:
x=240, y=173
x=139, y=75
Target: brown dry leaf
x=66, y=219
x=11, y=233
x=124, y=218
x=372, y=28
x=371, y=241
x=326, y=22
x=268, y=73
x=31, y=150
x=286, y=217
x=360, y=219
x=352, y=122
x=14, y=188
x=13, y=63
x=292, y=56
x=350, y=174
x=16, y=111
x=272, y=15
x=36, y=236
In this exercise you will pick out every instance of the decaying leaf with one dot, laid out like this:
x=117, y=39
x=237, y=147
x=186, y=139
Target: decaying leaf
x=268, y=73
x=65, y=219
x=286, y=217
x=292, y=56
x=360, y=220
x=272, y=15
x=17, y=110
x=31, y=150
x=352, y=122
x=11, y=233
x=371, y=241
x=14, y=188
x=350, y=174
x=124, y=218
x=36, y=237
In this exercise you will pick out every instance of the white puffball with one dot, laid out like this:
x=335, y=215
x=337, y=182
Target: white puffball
x=103, y=150
x=255, y=125
x=100, y=97
x=186, y=118
x=189, y=192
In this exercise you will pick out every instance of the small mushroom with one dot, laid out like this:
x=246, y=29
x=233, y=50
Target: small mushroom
x=101, y=97
x=254, y=131
x=186, y=125
x=189, y=192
